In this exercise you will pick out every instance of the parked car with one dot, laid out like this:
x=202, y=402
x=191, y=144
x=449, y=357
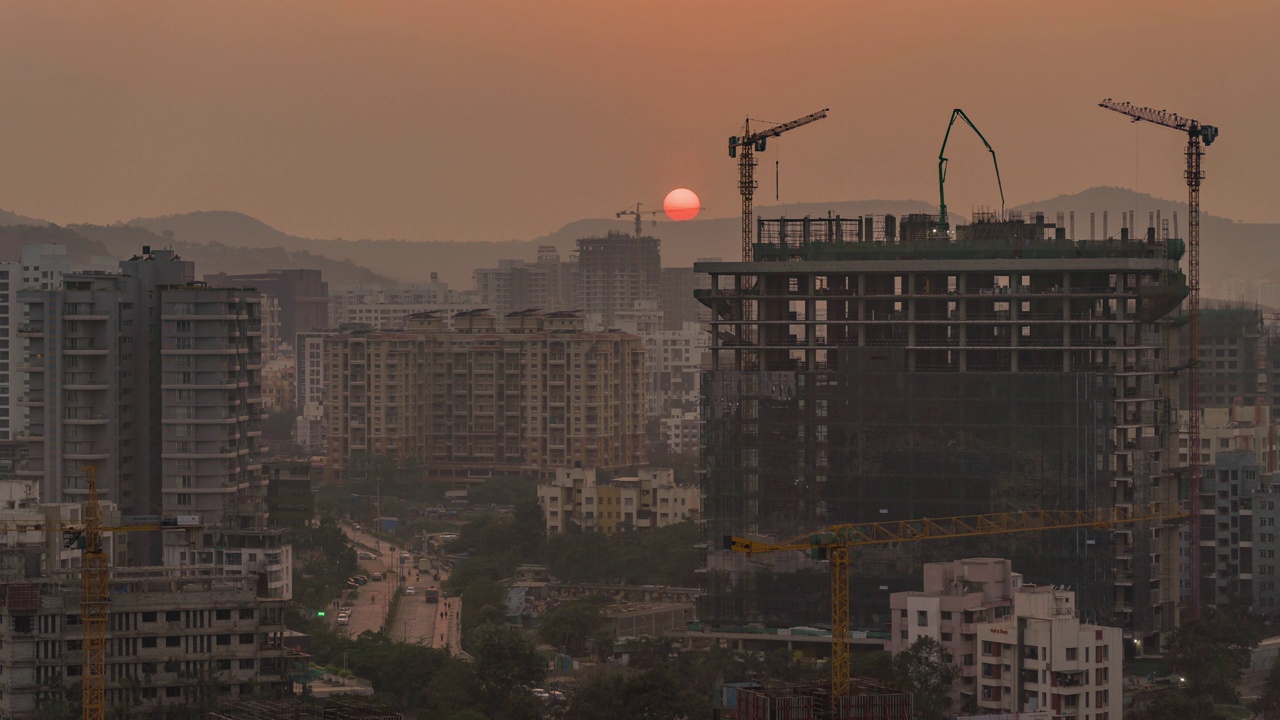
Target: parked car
x=377, y=576
x=411, y=591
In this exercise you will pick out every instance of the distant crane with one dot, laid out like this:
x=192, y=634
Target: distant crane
x=944, y=224
x=751, y=143
x=639, y=214
x=834, y=543
x=1198, y=134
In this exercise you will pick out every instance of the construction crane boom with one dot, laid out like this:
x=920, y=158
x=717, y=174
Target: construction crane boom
x=639, y=214
x=836, y=541
x=943, y=223
x=1199, y=136
x=751, y=143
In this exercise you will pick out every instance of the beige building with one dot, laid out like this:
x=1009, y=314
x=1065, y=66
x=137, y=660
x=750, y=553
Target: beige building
x=279, y=383
x=651, y=499
x=1251, y=428
x=1020, y=648
x=471, y=400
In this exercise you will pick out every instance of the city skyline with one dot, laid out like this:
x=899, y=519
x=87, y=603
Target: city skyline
x=483, y=122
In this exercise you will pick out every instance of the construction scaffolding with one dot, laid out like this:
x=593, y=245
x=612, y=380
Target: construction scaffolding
x=866, y=369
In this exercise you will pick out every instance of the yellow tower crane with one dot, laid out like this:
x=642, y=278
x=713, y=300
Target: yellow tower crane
x=1199, y=136
x=833, y=543
x=95, y=594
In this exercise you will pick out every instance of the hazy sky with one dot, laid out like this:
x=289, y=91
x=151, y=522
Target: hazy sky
x=483, y=120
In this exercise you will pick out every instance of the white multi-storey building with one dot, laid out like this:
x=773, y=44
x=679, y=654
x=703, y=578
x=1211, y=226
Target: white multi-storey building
x=651, y=499
x=1019, y=647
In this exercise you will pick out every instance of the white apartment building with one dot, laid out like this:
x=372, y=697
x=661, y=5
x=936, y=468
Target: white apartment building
x=1019, y=647
x=651, y=499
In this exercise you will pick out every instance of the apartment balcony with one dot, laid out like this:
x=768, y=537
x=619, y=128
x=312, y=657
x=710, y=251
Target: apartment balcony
x=86, y=382
x=85, y=349
x=30, y=331
x=85, y=316
x=86, y=419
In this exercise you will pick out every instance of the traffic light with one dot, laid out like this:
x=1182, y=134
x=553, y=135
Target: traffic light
x=319, y=613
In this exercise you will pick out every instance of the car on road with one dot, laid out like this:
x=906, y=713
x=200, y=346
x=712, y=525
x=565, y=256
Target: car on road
x=377, y=576
x=365, y=555
x=411, y=591
x=343, y=620
x=355, y=526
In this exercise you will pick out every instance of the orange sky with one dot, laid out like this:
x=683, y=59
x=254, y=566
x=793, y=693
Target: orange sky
x=493, y=119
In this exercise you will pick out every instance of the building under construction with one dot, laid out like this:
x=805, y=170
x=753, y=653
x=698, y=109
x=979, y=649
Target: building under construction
x=879, y=368
x=176, y=637
x=336, y=708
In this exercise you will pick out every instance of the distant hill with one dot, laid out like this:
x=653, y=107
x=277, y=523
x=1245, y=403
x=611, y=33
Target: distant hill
x=214, y=257
x=11, y=218
x=234, y=242
x=1228, y=249
x=79, y=247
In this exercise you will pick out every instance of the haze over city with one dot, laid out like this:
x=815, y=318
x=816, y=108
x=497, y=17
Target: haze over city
x=507, y=119
x=639, y=360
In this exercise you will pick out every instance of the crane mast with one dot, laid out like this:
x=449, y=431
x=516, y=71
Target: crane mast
x=639, y=214
x=836, y=541
x=745, y=147
x=94, y=594
x=1199, y=136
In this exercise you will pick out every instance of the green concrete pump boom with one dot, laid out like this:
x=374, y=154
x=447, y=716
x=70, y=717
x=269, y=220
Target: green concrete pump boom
x=943, y=223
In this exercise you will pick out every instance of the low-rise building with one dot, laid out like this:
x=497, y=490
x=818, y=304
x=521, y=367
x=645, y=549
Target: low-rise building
x=651, y=499
x=1019, y=647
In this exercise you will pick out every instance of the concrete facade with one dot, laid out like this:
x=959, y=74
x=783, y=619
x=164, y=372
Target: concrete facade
x=652, y=499
x=1019, y=647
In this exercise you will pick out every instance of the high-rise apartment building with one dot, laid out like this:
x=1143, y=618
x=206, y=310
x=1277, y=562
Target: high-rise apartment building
x=617, y=273
x=303, y=296
x=678, y=304
x=470, y=401
x=309, y=374
x=864, y=369
x=151, y=379
x=549, y=284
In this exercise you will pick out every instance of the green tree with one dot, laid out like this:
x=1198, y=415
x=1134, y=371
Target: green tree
x=483, y=600
x=1178, y=705
x=1210, y=655
x=506, y=664
x=568, y=626
x=922, y=670
x=624, y=695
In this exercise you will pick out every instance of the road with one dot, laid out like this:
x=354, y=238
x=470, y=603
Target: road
x=437, y=625
x=369, y=612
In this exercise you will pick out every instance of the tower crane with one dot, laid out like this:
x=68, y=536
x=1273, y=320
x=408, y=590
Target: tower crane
x=750, y=144
x=943, y=223
x=95, y=594
x=638, y=213
x=1199, y=136
x=833, y=544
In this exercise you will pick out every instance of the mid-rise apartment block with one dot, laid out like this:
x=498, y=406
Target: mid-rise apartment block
x=1238, y=427
x=876, y=368
x=578, y=497
x=550, y=284
x=677, y=302
x=1019, y=647
x=617, y=273
x=682, y=431
x=471, y=400
x=303, y=296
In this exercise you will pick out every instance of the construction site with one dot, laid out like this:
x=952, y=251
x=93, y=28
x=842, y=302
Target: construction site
x=337, y=708
x=866, y=700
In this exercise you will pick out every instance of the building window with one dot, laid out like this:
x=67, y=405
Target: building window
x=173, y=641
x=922, y=618
x=148, y=642
x=1071, y=654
